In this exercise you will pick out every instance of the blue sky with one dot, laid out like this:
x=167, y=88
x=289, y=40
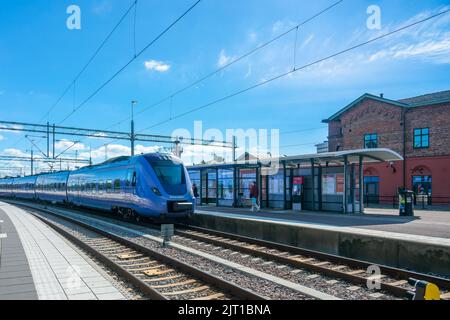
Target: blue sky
x=39, y=57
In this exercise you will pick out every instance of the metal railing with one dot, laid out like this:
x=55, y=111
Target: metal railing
x=420, y=201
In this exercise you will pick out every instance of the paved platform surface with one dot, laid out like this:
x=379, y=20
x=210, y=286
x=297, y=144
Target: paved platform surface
x=425, y=223
x=37, y=263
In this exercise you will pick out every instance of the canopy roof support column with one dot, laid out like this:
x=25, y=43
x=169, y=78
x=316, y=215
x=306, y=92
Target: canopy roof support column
x=361, y=184
x=313, y=185
x=352, y=187
x=345, y=196
x=284, y=186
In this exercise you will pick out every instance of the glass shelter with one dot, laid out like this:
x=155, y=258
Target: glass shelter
x=330, y=181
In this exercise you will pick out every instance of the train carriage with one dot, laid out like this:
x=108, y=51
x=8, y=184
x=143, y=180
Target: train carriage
x=152, y=185
x=6, y=187
x=24, y=188
x=52, y=187
x=155, y=186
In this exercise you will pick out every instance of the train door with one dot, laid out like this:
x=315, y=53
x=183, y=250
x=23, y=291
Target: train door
x=78, y=193
x=130, y=184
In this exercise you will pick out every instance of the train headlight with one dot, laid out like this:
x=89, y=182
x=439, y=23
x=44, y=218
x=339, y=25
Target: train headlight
x=156, y=191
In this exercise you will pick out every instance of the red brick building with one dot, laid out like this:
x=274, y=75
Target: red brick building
x=417, y=128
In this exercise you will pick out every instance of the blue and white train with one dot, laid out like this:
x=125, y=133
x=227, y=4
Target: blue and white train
x=155, y=186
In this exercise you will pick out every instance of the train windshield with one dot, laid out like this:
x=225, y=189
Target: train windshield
x=171, y=175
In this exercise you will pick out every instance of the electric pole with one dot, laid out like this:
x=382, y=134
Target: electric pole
x=132, y=135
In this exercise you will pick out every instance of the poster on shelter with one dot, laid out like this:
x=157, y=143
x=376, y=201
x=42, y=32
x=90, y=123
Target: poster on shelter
x=340, y=183
x=329, y=184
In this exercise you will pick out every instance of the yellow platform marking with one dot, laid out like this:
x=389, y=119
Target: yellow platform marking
x=175, y=293
x=156, y=272
x=176, y=284
x=211, y=297
x=163, y=278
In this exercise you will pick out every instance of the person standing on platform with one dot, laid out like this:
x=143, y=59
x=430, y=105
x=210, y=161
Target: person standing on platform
x=195, y=192
x=254, y=195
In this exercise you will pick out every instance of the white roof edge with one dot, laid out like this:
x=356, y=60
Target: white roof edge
x=370, y=155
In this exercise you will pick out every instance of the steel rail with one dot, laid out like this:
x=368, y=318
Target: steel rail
x=215, y=281
x=443, y=283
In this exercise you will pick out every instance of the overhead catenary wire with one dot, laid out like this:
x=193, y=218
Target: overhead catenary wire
x=95, y=92
x=220, y=69
x=91, y=59
x=260, y=84
x=83, y=69
x=232, y=62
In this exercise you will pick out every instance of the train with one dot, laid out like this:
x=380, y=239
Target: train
x=155, y=186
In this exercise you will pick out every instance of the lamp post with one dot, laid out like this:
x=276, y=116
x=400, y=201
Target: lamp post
x=132, y=135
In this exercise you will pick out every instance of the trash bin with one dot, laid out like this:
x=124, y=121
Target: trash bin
x=406, y=203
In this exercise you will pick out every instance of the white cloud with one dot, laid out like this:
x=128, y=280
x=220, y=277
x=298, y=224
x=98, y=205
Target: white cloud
x=282, y=26
x=2, y=138
x=224, y=59
x=65, y=144
x=102, y=8
x=307, y=40
x=8, y=128
x=252, y=36
x=15, y=153
x=159, y=66
x=116, y=150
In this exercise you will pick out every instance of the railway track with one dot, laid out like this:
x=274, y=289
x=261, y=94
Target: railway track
x=158, y=276
x=391, y=280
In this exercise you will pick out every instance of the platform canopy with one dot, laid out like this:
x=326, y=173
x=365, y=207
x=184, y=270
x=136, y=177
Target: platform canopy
x=353, y=156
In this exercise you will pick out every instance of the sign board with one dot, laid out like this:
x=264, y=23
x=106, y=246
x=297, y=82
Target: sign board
x=333, y=184
x=340, y=183
x=298, y=180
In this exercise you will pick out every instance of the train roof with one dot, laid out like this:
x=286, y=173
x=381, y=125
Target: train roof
x=117, y=160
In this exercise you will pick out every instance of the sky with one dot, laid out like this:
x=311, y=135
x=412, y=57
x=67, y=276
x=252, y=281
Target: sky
x=40, y=57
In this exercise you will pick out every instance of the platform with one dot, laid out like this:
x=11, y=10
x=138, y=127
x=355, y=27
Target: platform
x=420, y=243
x=37, y=263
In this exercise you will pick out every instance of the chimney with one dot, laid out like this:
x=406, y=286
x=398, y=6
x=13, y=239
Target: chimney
x=381, y=95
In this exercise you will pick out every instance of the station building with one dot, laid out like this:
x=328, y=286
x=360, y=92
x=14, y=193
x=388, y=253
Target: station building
x=417, y=128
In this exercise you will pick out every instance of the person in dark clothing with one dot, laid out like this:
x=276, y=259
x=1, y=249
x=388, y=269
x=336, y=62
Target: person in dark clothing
x=254, y=195
x=195, y=190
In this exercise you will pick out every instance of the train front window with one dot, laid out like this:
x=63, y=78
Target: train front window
x=169, y=173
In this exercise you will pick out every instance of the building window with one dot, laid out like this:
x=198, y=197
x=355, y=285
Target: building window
x=421, y=138
x=371, y=141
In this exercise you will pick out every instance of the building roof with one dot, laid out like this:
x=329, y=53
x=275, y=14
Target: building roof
x=369, y=155
x=427, y=98
x=424, y=100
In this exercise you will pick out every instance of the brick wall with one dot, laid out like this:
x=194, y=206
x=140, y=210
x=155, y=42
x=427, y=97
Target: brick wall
x=386, y=120
x=437, y=119
x=369, y=117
